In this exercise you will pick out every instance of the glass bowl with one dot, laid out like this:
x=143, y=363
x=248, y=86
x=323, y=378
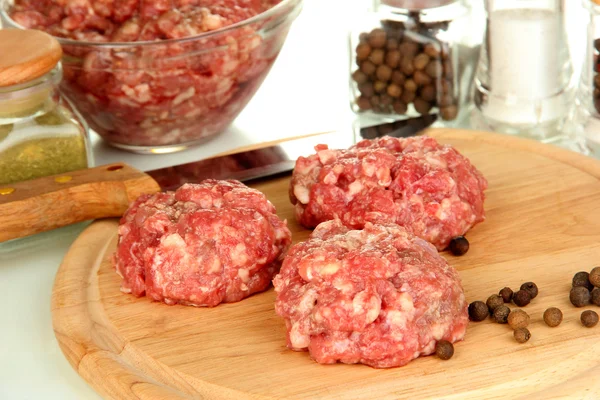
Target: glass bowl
x=164, y=96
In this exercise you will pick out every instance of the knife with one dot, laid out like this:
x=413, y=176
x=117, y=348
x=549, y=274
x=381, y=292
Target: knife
x=273, y=160
x=39, y=205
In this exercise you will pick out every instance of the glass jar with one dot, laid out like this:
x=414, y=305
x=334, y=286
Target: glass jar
x=41, y=133
x=523, y=84
x=411, y=58
x=588, y=95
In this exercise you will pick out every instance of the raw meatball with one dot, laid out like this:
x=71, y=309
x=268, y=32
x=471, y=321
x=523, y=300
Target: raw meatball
x=429, y=188
x=204, y=244
x=378, y=296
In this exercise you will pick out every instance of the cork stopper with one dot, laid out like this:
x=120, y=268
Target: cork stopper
x=26, y=55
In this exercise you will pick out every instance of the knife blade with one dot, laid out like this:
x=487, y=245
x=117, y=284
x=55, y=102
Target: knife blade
x=43, y=204
x=280, y=158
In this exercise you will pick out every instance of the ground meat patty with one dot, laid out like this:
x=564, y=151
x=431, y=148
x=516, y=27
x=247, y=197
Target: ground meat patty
x=378, y=296
x=201, y=245
x=429, y=188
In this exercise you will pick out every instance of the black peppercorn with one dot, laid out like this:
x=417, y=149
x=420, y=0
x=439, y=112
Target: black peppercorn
x=582, y=278
x=493, y=302
x=421, y=106
x=478, y=311
x=399, y=107
x=459, y=245
x=522, y=335
x=444, y=350
x=449, y=113
x=579, y=296
x=362, y=51
x=595, y=277
x=377, y=56
x=363, y=103
x=521, y=298
x=428, y=93
x=553, y=317
x=507, y=294
x=421, y=61
x=501, y=314
x=377, y=38
x=595, y=296
x=518, y=319
x=589, y=318
x=531, y=288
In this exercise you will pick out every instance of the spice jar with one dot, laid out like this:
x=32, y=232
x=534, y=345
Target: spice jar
x=411, y=58
x=588, y=94
x=40, y=131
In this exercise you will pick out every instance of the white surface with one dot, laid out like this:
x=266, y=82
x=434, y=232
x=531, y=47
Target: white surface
x=308, y=84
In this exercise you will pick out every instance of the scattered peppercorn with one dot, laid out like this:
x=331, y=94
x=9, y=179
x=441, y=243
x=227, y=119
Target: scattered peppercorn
x=459, y=245
x=507, y=294
x=501, y=314
x=478, y=311
x=493, y=302
x=553, y=317
x=522, y=335
x=595, y=296
x=595, y=277
x=579, y=296
x=531, y=288
x=589, y=318
x=582, y=278
x=518, y=319
x=444, y=350
x=521, y=298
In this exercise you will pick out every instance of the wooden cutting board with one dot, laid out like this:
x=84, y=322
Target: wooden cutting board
x=543, y=225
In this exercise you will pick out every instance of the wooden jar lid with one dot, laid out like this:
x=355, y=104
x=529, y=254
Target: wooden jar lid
x=26, y=55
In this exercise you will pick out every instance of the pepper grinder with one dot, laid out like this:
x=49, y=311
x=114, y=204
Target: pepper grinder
x=587, y=111
x=523, y=83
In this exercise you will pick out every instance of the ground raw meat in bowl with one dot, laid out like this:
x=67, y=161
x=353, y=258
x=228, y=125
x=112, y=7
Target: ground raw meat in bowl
x=164, y=73
x=429, y=188
x=203, y=244
x=378, y=296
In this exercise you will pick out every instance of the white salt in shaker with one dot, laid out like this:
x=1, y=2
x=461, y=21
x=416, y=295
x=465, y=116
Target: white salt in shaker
x=523, y=83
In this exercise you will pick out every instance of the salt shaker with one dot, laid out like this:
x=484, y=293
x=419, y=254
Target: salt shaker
x=523, y=84
x=410, y=58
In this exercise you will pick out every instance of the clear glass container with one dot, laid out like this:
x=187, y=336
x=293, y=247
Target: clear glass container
x=523, y=84
x=588, y=95
x=155, y=95
x=41, y=133
x=410, y=58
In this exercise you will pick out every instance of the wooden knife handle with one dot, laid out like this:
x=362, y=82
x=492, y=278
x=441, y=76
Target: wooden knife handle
x=51, y=202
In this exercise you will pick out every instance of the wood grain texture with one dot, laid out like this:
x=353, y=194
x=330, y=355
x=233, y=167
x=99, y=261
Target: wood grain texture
x=543, y=225
x=26, y=55
x=51, y=202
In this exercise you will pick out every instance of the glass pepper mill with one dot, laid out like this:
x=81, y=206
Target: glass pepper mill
x=411, y=58
x=523, y=84
x=587, y=113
